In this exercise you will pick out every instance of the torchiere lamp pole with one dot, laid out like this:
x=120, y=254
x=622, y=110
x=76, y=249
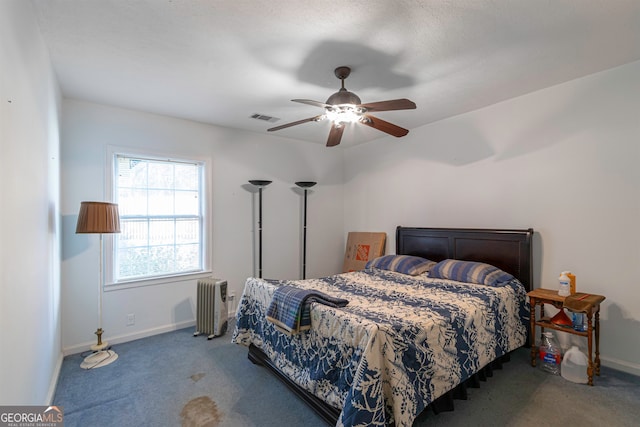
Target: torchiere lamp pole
x=260, y=183
x=305, y=185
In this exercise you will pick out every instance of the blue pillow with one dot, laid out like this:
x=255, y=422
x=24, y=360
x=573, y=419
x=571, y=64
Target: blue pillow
x=405, y=264
x=469, y=272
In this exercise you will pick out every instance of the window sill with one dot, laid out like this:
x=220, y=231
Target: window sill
x=156, y=281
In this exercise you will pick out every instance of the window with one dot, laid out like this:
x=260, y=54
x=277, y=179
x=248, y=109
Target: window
x=161, y=205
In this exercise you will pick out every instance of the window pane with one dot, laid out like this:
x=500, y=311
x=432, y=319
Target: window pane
x=161, y=259
x=133, y=262
x=132, y=202
x=187, y=257
x=131, y=172
x=133, y=233
x=161, y=175
x=161, y=202
x=162, y=232
x=187, y=177
x=187, y=203
x=187, y=231
x=160, y=216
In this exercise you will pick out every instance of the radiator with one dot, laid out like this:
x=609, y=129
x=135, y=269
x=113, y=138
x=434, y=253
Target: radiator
x=211, y=312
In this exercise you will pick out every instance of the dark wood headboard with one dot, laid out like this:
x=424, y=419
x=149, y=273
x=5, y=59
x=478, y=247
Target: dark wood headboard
x=509, y=250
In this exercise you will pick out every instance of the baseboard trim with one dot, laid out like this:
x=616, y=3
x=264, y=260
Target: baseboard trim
x=119, y=339
x=54, y=380
x=620, y=365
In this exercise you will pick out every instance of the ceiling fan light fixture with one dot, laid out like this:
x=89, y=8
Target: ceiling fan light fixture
x=343, y=97
x=345, y=113
x=346, y=107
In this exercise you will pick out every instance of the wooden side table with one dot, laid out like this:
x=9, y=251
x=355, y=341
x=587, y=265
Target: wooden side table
x=590, y=305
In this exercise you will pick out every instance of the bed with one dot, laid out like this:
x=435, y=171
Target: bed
x=404, y=342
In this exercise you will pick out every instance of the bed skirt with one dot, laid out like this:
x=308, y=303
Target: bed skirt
x=330, y=414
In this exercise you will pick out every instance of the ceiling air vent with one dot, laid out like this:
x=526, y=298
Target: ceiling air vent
x=264, y=117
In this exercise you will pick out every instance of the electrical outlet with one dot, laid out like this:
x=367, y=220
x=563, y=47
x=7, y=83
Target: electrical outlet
x=231, y=303
x=131, y=319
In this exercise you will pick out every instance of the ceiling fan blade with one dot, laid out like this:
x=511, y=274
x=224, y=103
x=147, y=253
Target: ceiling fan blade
x=299, y=122
x=335, y=135
x=311, y=102
x=384, y=126
x=394, y=104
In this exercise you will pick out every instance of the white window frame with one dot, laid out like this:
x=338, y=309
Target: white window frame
x=112, y=153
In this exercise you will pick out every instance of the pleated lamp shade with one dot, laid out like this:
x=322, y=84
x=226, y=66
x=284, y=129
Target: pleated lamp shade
x=98, y=217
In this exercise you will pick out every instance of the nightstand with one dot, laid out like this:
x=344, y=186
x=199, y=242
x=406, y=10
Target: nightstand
x=590, y=305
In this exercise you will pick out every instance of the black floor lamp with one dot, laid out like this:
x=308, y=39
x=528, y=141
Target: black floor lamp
x=305, y=185
x=260, y=183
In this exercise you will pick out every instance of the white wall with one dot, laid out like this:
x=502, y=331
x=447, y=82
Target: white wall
x=236, y=157
x=30, y=351
x=563, y=160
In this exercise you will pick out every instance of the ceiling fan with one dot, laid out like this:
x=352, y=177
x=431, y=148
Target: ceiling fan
x=345, y=107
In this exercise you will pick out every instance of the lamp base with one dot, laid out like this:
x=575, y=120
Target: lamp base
x=100, y=346
x=99, y=359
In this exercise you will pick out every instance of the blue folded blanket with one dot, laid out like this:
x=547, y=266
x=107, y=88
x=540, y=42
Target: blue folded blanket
x=289, y=310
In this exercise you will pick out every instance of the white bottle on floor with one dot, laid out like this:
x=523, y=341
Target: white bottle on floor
x=574, y=366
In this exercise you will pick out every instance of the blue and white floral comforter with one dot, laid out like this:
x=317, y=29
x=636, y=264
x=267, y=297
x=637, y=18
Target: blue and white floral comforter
x=399, y=344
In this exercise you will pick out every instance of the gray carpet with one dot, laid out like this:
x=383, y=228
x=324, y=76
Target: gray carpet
x=175, y=379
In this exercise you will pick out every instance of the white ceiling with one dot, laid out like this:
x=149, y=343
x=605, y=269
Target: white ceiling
x=220, y=61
